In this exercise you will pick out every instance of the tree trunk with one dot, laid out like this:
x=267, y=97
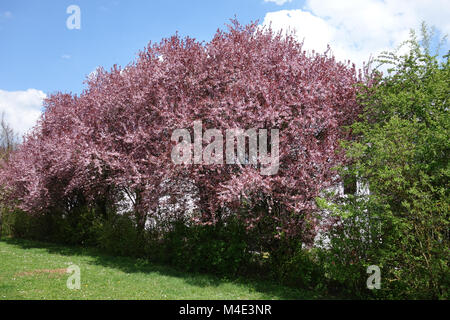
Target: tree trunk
x=139, y=212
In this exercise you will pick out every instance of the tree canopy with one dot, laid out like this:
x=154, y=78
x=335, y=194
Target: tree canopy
x=115, y=137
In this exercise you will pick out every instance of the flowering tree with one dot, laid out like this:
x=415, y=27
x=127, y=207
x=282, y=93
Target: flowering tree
x=115, y=138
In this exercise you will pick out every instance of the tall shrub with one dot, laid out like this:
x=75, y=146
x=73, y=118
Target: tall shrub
x=402, y=152
x=115, y=138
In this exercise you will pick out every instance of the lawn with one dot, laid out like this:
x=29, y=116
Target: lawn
x=36, y=270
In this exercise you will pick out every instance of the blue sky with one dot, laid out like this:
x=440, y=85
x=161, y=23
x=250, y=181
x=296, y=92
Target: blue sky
x=40, y=55
x=39, y=51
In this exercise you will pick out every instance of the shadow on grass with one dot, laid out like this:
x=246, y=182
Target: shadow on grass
x=139, y=265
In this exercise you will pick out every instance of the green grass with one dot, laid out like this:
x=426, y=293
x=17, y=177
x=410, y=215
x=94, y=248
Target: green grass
x=110, y=277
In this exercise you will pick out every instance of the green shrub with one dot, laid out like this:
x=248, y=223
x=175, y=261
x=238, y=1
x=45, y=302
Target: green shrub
x=402, y=151
x=23, y=225
x=220, y=249
x=119, y=235
x=80, y=226
x=353, y=244
x=300, y=268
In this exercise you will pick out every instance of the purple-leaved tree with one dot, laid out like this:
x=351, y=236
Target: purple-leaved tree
x=115, y=138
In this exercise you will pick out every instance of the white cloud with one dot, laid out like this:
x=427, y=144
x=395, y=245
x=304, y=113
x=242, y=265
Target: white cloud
x=356, y=29
x=278, y=2
x=66, y=56
x=6, y=14
x=22, y=108
x=94, y=73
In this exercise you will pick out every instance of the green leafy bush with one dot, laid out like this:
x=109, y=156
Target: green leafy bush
x=119, y=235
x=21, y=225
x=349, y=247
x=220, y=249
x=402, y=150
x=80, y=226
x=300, y=268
